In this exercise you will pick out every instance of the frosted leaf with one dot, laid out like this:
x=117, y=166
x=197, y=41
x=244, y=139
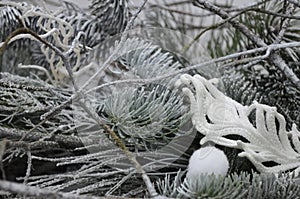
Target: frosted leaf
x=216, y=116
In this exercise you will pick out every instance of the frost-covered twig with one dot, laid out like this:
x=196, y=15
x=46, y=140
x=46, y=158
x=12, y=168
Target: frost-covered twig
x=274, y=58
x=96, y=117
x=25, y=190
x=122, y=146
x=24, y=35
x=290, y=10
x=29, y=166
x=296, y=3
x=268, y=49
x=115, y=53
x=70, y=142
x=43, y=41
x=164, y=76
x=2, y=151
x=37, y=68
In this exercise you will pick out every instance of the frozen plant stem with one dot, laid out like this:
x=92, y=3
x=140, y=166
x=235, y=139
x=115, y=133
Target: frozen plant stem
x=115, y=53
x=65, y=59
x=77, y=95
x=130, y=156
x=40, y=39
x=122, y=146
x=296, y=3
x=25, y=190
x=274, y=58
x=268, y=50
x=99, y=121
x=80, y=96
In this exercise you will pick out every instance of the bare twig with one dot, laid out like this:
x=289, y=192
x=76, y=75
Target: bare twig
x=179, y=3
x=240, y=10
x=286, y=16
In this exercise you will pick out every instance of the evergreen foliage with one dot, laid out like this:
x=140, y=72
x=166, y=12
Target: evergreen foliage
x=244, y=185
x=124, y=130
x=260, y=80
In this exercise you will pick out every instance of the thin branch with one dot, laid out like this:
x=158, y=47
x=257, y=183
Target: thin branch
x=3, y=143
x=115, y=53
x=122, y=146
x=188, y=13
x=101, y=123
x=286, y=22
x=296, y=3
x=69, y=142
x=40, y=68
x=240, y=10
x=213, y=26
x=286, y=16
x=179, y=3
x=25, y=190
x=133, y=18
x=274, y=59
x=45, y=42
x=235, y=23
x=268, y=50
x=29, y=166
x=255, y=4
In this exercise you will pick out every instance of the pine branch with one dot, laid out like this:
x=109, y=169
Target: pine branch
x=92, y=113
x=25, y=190
x=243, y=185
x=274, y=58
x=64, y=141
x=118, y=112
x=268, y=49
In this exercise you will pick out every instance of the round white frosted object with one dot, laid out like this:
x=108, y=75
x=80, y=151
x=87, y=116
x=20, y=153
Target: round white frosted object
x=208, y=160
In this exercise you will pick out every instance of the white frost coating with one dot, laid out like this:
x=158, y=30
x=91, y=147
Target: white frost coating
x=216, y=116
x=207, y=160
